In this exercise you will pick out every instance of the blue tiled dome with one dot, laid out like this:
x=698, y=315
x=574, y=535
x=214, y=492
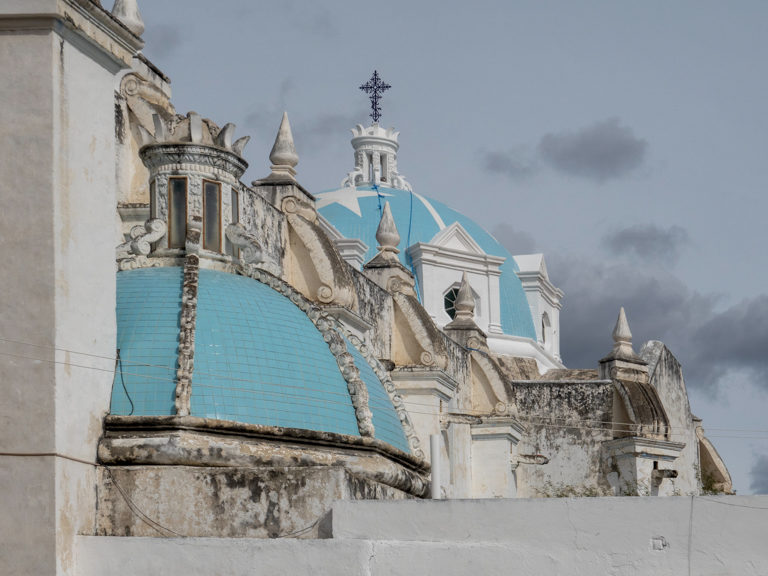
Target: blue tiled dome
x=418, y=219
x=258, y=358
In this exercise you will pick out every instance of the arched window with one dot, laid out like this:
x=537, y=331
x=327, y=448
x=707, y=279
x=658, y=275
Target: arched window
x=546, y=331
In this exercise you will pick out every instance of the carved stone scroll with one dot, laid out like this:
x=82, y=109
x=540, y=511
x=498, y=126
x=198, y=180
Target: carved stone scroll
x=250, y=249
x=132, y=253
x=187, y=335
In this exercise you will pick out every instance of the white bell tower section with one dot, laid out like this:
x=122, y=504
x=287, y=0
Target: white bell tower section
x=375, y=158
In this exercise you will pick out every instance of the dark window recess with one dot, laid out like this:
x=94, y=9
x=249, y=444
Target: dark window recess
x=449, y=302
x=177, y=212
x=235, y=203
x=212, y=216
x=152, y=200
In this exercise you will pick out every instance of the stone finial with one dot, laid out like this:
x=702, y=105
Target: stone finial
x=622, y=338
x=463, y=326
x=387, y=235
x=385, y=268
x=283, y=156
x=465, y=301
x=127, y=11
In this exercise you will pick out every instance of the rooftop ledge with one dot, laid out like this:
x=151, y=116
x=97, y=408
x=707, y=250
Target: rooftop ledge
x=81, y=22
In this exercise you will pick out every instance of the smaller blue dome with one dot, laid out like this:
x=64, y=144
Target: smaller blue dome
x=356, y=212
x=258, y=358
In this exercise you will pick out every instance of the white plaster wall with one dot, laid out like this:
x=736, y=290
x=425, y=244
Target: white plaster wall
x=491, y=468
x=84, y=196
x=26, y=304
x=112, y=556
x=705, y=536
x=58, y=290
x=436, y=280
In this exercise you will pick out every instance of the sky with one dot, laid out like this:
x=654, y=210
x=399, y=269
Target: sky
x=626, y=141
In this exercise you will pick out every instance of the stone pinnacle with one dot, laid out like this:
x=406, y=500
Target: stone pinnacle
x=127, y=11
x=283, y=156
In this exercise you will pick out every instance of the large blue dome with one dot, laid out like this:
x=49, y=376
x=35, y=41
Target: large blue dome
x=258, y=358
x=356, y=212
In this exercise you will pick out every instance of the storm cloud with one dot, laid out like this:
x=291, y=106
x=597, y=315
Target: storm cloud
x=759, y=474
x=659, y=306
x=735, y=339
x=600, y=152
x=649, y=242
x=711, y=343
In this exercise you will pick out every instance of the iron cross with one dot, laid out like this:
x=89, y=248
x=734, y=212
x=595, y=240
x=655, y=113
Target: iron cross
x=375, y=88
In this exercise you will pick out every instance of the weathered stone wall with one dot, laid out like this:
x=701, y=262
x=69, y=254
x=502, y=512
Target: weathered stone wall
x=233, y=502
x=566, y=423
x=375, y=307
x=268, y=225
x=666, y=376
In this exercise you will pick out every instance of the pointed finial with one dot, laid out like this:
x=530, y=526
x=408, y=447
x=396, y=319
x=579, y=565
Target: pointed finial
x=387, y=235
x=464, y=305
x=283, y=156
x=622, y=337
x=127, y=11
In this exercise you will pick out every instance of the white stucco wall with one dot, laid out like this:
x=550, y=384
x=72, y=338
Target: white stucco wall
x=705, y=536
x=26, y=302
x=58, y=284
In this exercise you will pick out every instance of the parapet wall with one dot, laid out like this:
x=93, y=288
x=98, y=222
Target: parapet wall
x=700, y=535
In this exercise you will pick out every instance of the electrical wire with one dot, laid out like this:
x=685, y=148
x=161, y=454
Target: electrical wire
x=119, y=363
x=408, y=258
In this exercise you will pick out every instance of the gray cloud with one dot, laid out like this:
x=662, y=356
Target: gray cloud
x=599, y=152
x=759, y=475
x=735, y=339
x=710, y=343
x=326, y=125
x=265, y=120
x=659, y=307
x=517, y=164
x=516, y=241
x=648, y=242
x=162, y=40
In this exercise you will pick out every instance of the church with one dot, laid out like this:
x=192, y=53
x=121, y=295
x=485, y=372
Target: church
x=189, y=356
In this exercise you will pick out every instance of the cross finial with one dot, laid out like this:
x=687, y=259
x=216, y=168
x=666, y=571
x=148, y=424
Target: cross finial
x=375, y=88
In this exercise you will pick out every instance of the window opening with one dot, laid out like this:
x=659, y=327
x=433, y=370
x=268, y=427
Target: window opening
x=449, y=302
x=152, y=200
x=177, y=212
x=211, y=215
x=233, y=250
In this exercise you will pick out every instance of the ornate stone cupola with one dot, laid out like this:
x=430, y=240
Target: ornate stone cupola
x=375, y=158
x=194, y=174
